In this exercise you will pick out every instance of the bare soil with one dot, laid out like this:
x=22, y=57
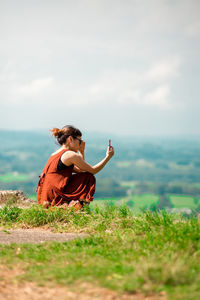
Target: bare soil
x=12, y=289
x=35, y=236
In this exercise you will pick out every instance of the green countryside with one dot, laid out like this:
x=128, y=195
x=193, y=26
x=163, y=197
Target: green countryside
x=145, y=173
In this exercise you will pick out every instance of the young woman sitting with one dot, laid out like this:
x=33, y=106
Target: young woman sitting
x=58, y=185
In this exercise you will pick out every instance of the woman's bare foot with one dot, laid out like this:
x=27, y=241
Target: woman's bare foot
x=45, y=204
x=75, y=204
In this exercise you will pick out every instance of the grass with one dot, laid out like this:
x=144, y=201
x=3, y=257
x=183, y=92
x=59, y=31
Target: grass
x=150, y=253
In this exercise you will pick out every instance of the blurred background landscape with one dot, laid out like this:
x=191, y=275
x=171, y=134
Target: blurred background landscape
x=128, y=71
x=145, y=173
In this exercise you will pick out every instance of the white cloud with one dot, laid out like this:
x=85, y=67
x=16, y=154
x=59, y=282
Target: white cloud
x=141, y=87
x=163, y=70
x=35, y=87
x=160, y=97
x=193, y=29
x=149, y=87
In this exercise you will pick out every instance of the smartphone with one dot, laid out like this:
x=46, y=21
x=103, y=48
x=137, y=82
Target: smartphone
x=110, y=147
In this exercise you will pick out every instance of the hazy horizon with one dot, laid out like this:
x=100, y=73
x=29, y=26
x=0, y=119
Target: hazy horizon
x=104, y=134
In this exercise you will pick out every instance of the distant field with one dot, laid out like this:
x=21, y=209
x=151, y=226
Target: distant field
x=124, y=164
x=12, y=177
x=183, y=201
x=129, y=184
x=144, y=201
x=104, y=201
x=107, y=199
x=138, y=202
x=139, y=163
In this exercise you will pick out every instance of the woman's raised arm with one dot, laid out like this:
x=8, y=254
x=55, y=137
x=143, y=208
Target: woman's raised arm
x=77, y=160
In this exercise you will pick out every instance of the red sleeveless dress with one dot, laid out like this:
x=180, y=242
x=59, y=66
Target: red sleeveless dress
x=61, y=187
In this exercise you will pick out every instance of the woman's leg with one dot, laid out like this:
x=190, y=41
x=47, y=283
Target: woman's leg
x=81, y=186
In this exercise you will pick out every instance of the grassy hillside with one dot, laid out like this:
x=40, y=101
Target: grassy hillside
x=151, y=253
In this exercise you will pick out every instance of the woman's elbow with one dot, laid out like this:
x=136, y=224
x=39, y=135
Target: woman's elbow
x=95, y=171
x=92, y=171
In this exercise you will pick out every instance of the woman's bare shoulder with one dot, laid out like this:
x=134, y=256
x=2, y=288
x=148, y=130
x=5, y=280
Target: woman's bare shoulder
x=69, y=153
x=68, y=156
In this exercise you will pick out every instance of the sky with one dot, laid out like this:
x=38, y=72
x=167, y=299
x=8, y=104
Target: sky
x=123, y=67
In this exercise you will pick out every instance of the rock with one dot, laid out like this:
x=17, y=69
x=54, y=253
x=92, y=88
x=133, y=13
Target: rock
x=17, y=198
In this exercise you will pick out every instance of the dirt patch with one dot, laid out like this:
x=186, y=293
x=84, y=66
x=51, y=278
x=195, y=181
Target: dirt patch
x=36, y=236
x=11, y=289
x=30, y=291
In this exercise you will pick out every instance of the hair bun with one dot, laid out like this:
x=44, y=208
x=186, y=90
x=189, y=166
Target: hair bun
x=56, y=132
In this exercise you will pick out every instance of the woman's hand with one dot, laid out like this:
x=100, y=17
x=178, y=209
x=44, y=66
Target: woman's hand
x=110, y=152
x=82, y=147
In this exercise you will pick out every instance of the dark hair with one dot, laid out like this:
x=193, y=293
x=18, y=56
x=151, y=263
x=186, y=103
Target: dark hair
x=62, y=134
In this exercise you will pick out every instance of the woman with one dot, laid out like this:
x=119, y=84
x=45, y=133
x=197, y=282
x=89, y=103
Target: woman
x=57, y=185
